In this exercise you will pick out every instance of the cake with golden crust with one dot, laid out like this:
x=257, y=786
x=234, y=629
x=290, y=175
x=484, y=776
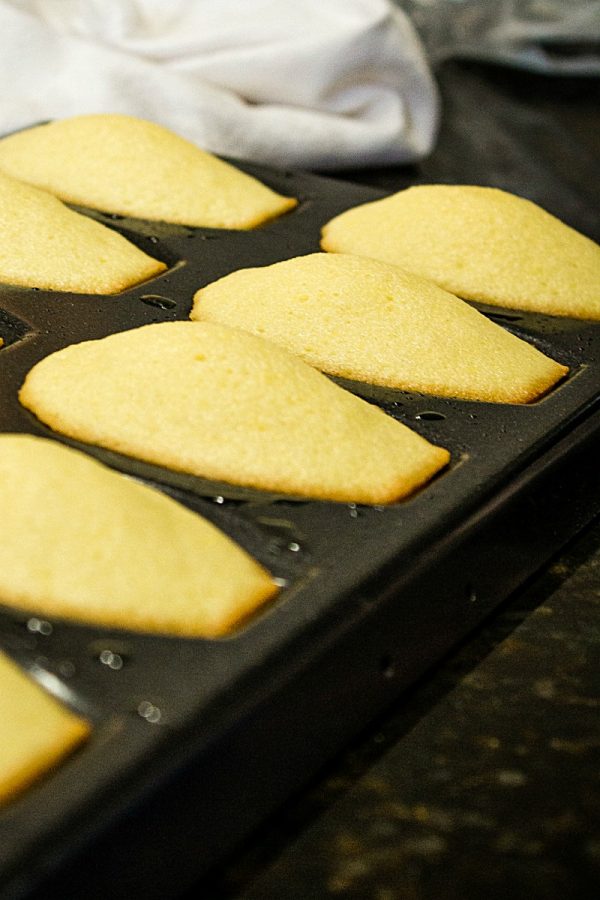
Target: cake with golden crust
x=36, y=731
x=83, y=542
x=222, y=404
x=371, y=321
x=480, y=243
x=125, y=165
x=47, y=245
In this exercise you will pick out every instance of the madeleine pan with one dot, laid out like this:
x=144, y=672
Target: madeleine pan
x=196, y=741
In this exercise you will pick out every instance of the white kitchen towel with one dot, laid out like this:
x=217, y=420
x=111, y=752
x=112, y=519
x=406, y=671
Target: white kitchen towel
x=316, y=84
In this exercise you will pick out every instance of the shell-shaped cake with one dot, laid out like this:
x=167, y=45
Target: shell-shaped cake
x=220, y=403
x=370, y=321
x=480, y=243
x=128, y=166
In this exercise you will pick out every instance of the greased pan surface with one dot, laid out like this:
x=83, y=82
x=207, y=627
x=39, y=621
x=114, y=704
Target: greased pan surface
x=194, y=741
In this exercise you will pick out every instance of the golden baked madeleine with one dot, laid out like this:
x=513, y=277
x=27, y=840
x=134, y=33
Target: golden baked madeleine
x=125, y=165
x=219, y=403
x=47, y=245
x=370, y=321
x=480, y=243
x=36, y=731
x=85, y=543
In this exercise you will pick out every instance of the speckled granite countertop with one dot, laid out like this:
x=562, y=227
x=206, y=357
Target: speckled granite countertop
x=484, y=780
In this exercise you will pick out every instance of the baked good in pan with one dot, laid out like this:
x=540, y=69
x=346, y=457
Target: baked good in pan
x=125, y=165
x=371, y=321
x=85, y=543
x=480, y=243
x=36, y=730
x=47, y=245
x=222, y=404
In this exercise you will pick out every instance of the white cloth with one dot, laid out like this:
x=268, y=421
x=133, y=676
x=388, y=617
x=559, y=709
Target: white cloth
x=315, y=84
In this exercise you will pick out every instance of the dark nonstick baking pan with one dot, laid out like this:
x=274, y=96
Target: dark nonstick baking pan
x=195, y=741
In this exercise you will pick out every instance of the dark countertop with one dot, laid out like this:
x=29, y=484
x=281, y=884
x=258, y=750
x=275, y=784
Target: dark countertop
x=484, y=779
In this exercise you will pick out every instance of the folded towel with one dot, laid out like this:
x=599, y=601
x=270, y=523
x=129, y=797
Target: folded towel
x=301, y=83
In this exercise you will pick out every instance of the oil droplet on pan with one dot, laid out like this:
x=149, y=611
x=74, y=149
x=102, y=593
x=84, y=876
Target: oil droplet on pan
x=149, y=712
x=66, y=668
x=429, y=415
x=39, y=626
x=111, y=660
x=159, y=301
